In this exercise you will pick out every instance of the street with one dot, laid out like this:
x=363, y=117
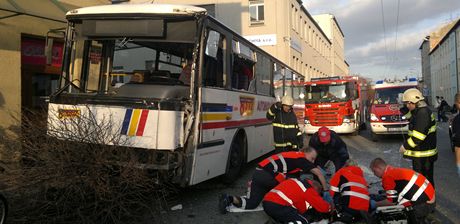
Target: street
x=199, y=203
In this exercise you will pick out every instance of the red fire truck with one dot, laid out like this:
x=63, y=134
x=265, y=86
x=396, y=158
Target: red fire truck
x=384, y=115
x=335, y=102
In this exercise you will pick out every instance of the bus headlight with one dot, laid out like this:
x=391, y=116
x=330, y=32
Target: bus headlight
x=374, y=118
x=307, y=121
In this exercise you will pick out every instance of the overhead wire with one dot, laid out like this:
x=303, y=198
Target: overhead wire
x=396, y=32
x=384, y=35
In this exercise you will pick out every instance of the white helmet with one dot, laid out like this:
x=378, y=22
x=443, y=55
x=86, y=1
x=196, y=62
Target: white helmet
x=412, y=95
x=287, y=100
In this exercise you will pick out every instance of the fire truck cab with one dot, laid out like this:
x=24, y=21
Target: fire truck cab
x=335, y=102
x=384, y=114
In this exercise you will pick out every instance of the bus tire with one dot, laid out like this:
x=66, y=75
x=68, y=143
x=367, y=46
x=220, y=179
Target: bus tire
x=235, y=159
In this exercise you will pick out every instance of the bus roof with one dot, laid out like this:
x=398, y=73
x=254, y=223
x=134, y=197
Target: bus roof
x=153, y=8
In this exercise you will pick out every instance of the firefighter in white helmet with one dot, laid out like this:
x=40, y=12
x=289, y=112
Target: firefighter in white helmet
x=420, y=147
x=286, y=133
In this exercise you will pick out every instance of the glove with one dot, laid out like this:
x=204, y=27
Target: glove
x=278, y=105
x=402, y=149
x=327, y=197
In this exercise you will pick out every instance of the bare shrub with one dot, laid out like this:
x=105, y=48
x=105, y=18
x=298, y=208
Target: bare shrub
x=76, y=173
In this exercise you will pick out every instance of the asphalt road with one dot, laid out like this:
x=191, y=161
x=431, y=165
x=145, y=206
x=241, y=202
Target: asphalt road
x=199, y=203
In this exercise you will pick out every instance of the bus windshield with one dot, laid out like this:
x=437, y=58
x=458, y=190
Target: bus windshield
x=127, y=63
x=389, y=95
x=329, y=93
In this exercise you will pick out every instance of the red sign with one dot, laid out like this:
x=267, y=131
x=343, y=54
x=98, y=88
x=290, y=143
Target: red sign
x=33, y=52
x=246, y=105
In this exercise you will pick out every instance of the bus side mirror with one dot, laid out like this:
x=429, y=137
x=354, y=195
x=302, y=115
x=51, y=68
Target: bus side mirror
x=49, y=50
x=49, y=42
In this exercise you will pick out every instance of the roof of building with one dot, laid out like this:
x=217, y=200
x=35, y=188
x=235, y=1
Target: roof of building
x=313, y=20
x=425, y=40
x=455, y=24
x=335, y=20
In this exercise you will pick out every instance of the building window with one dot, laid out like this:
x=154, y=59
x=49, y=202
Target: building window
x=256, y=11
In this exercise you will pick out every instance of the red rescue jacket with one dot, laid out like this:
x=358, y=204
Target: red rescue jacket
x=349, y=184
x=298, y=194
x=286, y=162
x=406, y=187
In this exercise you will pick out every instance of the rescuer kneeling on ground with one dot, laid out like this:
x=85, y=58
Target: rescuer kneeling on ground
x=350, y=194
x=329, y=146
x=272, y=171
x=289, y=201
x=286, y=133
x=420, y=147
x=405, y=187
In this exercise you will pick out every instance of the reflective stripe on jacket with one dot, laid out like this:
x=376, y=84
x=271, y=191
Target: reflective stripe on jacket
x=299, y=195
x=349, y=187
x=286, y=162
x=286, y=131
x=404, y=186
x=422, y=134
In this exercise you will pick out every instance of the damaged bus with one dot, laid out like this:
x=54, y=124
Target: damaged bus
x=186, y=95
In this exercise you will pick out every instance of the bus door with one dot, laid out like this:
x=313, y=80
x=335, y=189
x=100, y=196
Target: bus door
x=215, y=111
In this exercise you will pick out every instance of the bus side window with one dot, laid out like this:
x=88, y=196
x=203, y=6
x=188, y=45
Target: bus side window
x=242, y=73
x=243, y=67
x=263, y=74
x=213, y=68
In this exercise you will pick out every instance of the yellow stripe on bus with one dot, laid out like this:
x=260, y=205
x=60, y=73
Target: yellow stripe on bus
x=216, y=117
x=134, y=122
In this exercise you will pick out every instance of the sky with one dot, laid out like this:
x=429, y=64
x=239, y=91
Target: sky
x=379, y=41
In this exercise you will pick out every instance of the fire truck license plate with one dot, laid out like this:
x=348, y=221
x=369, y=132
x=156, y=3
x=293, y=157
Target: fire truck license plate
x=393, y=129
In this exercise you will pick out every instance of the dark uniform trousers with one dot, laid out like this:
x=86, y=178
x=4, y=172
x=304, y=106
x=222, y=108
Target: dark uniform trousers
x=262, y=182
x=287, y=214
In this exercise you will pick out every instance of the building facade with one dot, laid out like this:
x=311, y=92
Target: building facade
x=444, y=64
x=331, y=28
x=27, y=78
x=284, y=29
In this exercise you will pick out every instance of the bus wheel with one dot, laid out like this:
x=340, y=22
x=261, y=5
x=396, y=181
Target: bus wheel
x=235, y=160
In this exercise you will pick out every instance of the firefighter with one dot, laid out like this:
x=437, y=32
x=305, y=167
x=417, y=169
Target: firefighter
x=286, y=131
x=290, y=200
x=405, y=187
x=420, y=147
x=329, y=146
x=272, y=171
x=349, y=191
